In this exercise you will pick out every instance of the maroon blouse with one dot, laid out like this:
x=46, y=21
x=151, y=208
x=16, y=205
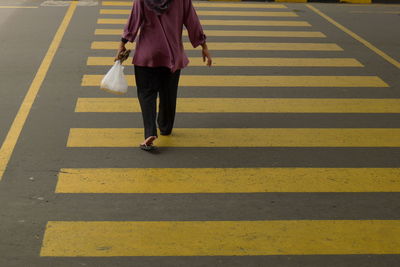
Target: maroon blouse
x=160, y=39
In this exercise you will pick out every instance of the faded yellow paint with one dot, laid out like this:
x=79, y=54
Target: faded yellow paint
x=239, y=137
x=250, y=62
x=225, y=238
x=240, y=46
x=249, y=105
x=260, y=81
x=228, y=22
x=205, y=4
x=303, y=34
x=13, y=134
x=214, y=13
x=228, y=180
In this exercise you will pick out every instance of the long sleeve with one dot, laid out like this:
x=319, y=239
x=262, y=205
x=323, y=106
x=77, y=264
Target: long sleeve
x=192, y=24
x=134, y=22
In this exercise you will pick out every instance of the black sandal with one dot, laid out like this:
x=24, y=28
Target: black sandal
x=148, y=144
x=149, y=147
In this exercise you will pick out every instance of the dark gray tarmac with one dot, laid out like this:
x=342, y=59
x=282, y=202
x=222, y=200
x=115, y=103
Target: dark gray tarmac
x=26, y=205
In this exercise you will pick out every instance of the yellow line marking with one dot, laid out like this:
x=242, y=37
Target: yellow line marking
x=227, y=180
x=357, y=1
x=199, y=4
x=292, y=1
x=11, y=139
x=228, y=22
x=357, y=37
x=12, y=7
x=302, y=34
x=241, y=46
x=249, y=105
x=261, y=81
x=224, y=238
x=213, y=13
x=251, y=62
x=239, y=137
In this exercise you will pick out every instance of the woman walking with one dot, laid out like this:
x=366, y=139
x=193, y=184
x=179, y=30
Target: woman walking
x=159, y=58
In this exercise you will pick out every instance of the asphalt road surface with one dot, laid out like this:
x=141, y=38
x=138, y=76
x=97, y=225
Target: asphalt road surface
x=285, y=153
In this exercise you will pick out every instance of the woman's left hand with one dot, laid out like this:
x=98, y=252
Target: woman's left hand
x=206, y=55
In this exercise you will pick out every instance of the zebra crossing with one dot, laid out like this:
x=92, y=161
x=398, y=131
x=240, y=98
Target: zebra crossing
x=210, y=237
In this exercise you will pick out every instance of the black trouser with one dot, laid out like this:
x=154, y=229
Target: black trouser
x=149, y=82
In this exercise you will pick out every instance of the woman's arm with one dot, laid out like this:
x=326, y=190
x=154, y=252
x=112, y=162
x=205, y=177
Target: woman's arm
x=195, y=31
x=132, y=26
x=192, y=24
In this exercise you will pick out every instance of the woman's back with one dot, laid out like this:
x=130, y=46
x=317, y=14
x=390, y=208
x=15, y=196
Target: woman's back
x=160, y=39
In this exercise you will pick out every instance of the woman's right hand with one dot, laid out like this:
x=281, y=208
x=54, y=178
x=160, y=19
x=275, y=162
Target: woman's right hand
x=121, y=49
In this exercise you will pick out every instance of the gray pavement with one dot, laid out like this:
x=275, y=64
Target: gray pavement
x=27, y=191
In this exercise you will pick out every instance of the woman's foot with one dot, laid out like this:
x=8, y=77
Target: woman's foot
x=147, y=144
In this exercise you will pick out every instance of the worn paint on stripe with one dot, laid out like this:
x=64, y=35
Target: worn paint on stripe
x=250, y=62
x=249, y=105
x=214, y=13
x=303, y=34
x=224, y=238
x=205, y=22
x=239, y=137
x=227, y=180
x=200, y=4
x=13, y=134
x=240, y=46
x=260, y=81
x=357, y=37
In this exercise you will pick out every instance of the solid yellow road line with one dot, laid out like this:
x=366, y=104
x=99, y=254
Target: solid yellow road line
x=214, y=13
x=199, y=4
x=239, y=137
x=302, y=34
x=227, y=180
x=241, y=46
x=357, y=37
x=357, y=1
x=261, y=81
x=292, y=1
x=228, y=22
x=224, y=238
x=249, y=105
x=250, y=62
x=13, y=134
x=13, y=7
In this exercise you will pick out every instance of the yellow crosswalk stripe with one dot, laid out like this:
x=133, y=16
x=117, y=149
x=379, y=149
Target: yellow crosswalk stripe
x=239, y=137
x=249, y=105
x=235, y=33
x=240, y=46
x=303, y=34
x=200, y=4
x=292, y=1
x=227, y=180
x=214, y=13
x=250, y=62
x=261, y=81
x=227, y=22
x=224, y=238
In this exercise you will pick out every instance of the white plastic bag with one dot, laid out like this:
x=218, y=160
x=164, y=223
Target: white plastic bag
x=114, y=81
